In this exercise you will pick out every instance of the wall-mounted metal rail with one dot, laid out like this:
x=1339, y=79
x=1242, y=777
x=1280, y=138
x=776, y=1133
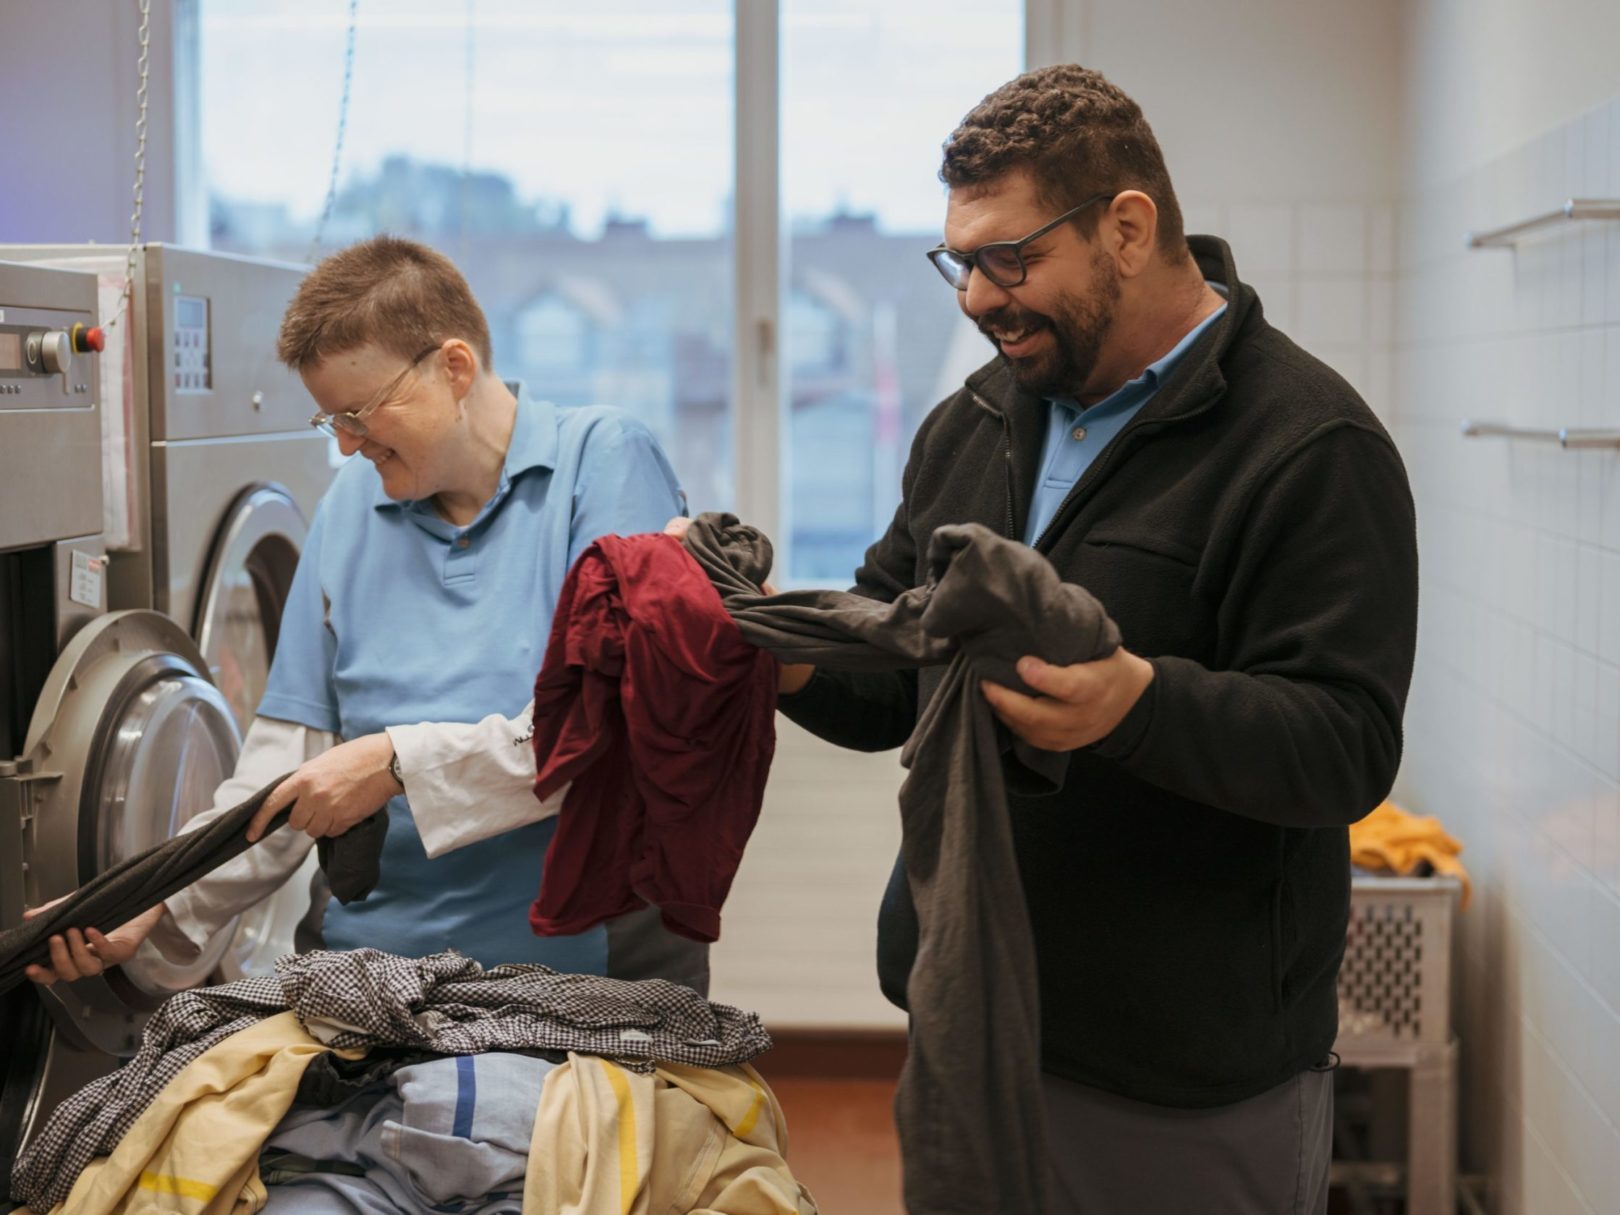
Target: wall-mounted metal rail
x=1575, y=208
x=1565, y=436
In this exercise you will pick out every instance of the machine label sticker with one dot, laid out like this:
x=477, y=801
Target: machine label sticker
x=85, y=585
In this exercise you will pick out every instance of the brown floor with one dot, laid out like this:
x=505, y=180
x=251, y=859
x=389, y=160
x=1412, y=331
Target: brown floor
x=837, y=1091
x=841, y=1142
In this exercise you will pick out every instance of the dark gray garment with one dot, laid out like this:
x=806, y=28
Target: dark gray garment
x=640, y=947
x=972, y=1135
x=1266, y=1155
x=444, y=1003
x=141, y=882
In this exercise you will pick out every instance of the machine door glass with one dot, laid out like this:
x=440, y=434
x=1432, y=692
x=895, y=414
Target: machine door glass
x=170, y=742
x=244, y=590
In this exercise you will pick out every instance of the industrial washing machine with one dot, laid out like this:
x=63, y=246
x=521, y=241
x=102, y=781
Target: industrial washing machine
x=212, y=474
x=111, y=733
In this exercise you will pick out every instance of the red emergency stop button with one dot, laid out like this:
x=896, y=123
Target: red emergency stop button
x=86, y=339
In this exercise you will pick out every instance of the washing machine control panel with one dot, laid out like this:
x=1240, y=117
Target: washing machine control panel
x=38, y=369
x=193, y=366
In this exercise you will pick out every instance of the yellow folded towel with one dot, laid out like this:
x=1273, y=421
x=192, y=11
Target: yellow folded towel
x=1391, y=839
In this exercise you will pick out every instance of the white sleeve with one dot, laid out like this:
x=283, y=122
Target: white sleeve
x=202, y=909
x=470, y=781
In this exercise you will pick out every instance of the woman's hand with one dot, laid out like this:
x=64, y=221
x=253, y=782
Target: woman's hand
x=78, y=955
x=335, y=790
x=790, y=677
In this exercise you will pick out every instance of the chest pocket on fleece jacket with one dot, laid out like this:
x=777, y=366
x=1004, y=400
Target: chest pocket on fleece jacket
x=1146, y=585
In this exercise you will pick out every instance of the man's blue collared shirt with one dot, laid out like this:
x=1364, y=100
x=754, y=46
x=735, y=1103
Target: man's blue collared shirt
x=1076, y=436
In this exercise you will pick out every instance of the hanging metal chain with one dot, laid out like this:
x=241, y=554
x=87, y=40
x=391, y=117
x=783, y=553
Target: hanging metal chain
x=342, y=127
x=143, y=71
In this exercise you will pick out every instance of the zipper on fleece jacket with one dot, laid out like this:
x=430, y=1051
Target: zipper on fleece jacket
x=1006, y=456
x=1085, y=482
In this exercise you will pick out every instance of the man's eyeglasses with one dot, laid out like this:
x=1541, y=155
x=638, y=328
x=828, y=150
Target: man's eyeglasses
x=353, y=422
x=1002, y=261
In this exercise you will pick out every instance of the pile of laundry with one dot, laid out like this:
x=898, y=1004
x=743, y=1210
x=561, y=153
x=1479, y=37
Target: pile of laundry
x=360, y=1080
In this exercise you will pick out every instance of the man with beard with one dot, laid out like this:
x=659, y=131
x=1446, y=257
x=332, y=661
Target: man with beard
x=1246, y=521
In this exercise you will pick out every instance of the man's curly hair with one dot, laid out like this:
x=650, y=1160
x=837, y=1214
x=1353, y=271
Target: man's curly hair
x=1078, y=135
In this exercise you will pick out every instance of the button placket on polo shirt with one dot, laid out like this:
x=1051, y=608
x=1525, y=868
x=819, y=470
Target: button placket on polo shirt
x=1063, y=467
x=461, y=558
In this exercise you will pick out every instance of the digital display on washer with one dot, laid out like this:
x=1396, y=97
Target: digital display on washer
x=11, y=352
x=190, y=312
x=193, y=370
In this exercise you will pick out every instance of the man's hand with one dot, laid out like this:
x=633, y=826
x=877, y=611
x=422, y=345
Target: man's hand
x=1078, y=704
x=77, y=955
x=335, y=790
x=790, y=677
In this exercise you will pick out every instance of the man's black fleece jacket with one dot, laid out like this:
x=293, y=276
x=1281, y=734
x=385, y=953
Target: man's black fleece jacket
x=1252, y=533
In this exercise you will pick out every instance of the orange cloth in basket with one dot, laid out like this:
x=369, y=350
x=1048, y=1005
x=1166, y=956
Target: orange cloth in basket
x=1391, y=839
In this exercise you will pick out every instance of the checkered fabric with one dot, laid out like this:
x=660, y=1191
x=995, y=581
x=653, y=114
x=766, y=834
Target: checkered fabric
x=364, y=997
x=92, y=1121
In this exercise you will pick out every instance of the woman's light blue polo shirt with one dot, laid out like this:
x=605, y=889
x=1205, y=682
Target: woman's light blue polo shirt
x=396, y=616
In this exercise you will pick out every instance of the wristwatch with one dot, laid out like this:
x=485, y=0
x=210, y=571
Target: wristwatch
x=393, y=770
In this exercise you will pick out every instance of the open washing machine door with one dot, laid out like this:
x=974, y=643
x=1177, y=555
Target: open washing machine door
x=240, y=601
x=127, y=743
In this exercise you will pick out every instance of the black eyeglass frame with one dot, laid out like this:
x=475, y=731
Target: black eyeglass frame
x=955, y=266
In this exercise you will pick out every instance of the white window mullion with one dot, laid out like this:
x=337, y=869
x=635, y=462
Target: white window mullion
x=1056, y=31
x=758, y=257
x=190, y=188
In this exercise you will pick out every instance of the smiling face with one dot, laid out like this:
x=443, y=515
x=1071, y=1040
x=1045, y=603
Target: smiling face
x=1052, y=327
x=410, y=434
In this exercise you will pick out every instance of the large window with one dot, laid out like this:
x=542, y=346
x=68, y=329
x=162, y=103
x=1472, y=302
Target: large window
x=573, y=159
x=577, y=161
x=870, y=89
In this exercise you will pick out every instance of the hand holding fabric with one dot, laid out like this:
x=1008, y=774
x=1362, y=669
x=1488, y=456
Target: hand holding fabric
x=1077, y=705
x=334, y=791
x=790, y=676
x=78, y=955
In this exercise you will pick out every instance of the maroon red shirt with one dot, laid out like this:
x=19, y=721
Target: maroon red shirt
x=664, y=719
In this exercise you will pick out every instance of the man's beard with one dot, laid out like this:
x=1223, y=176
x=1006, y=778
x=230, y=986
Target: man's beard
x=1078, y=327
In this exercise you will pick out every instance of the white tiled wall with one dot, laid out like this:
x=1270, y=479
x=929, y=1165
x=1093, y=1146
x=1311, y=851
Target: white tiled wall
x=799, y=936
x=1325, y=276
x=1513, y=728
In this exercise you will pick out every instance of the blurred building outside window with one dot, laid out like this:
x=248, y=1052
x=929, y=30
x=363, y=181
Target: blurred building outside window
x=577, y=163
